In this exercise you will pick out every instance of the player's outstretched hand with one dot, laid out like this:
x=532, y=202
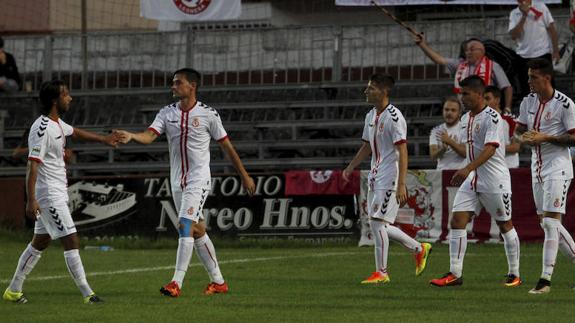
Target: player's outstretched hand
x=346, y=174
x=123, y=135
x=112, y=139
x=460, y=176
x=419, y=38
x=249, y=185
x=401, y=195
x=533, y=137
x=32, y=209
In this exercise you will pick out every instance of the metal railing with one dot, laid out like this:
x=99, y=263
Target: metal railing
x=251, y=56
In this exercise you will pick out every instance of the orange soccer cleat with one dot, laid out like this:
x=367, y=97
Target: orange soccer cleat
x=214, y=288
x=376, y=278
x=448, y=279
x=171, y=289
x=512, y=281
x=421, y=258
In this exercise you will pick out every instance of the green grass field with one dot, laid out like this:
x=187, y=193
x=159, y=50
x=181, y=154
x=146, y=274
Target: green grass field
x=297, y=284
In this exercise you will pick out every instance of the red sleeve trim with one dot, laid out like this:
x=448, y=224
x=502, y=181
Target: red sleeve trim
x=495, y=144
x=36, y=159
x=399, y=142
x=154, y=131
x=223, y=138
x=571, y=131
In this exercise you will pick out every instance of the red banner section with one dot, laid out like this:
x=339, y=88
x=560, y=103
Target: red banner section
x=326, y=182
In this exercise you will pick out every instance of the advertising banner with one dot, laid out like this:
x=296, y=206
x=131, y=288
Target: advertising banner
x=144, y=206
x=431, y=2
x=191, y=10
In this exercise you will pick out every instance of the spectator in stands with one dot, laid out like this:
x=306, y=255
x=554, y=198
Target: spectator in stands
x=532, y=27
x=9, y=76
x=189, y=125
x=47, y=194
x=492, y=97
x=474, y=63
x=445, y=144
x=385, y=139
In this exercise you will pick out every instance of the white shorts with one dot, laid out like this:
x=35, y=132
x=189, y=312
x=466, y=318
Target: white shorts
x=550, y=196
x=498, y=205
x=382, y=205
x=55, y=219
x=189, y=204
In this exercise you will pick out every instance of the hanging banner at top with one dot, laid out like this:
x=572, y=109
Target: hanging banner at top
x=191, y=10
x=429, y=2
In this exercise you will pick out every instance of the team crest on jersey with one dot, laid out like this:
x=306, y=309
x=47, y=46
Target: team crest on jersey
x=477, y=127
x=195, y=122
x=192, y=7
x=557, y=203
x=191, y=211
x=381, y=126
x=548, y=116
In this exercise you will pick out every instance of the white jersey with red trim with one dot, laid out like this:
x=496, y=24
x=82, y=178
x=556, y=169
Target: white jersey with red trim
x=383, y=131
x=189, y=134
x=46, y=143
x=486, y=128
x=555, y=117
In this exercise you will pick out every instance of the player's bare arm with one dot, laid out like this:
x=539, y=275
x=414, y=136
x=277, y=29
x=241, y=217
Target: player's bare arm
x=230, y=151
x=111, y=140
x=462, y=174
x=513, y=147
x=536, y=138
x=508, y=91
x=144, y=137
x=401, y=194
x=458, y=147
x=32, y=206
x=554, y=42
x=363, y=152
x=436, y=151
x=518, y=134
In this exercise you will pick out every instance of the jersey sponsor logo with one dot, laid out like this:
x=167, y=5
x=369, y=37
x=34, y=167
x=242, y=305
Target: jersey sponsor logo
x=394, y=116
x=192, y=7
x=196, y=122
x=547, y=116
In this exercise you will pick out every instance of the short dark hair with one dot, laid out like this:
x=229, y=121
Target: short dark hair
x=474, y=82
x=542, y=65
x=49, y=91
x=383, y=80
x=191, y=75
x=494, y=90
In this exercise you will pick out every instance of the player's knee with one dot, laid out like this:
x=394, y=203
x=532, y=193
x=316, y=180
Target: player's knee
x=40, y=243
x=459, y=221
x=505, y=226
x=185, y=227
x=198, y=230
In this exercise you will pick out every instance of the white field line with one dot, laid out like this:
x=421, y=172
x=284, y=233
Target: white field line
x=146, y=269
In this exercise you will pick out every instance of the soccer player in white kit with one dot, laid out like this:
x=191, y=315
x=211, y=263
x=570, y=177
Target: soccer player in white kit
x=384, y=137
x=484, y=182
x=189, y=126
x=547, y=124
x=47, y=191
x=445, y=144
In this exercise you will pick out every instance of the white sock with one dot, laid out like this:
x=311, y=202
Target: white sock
x=512, y=251
x=550, y=246
x=396, y=234
x=28, y=259
x=457, y=248
x=566, y=244
x=76, y=269
x=185, y=250
x=207, y=254
x=381, y=245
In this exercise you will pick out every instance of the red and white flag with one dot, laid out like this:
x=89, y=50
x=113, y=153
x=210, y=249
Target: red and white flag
x=320, y=182
x=191, y=10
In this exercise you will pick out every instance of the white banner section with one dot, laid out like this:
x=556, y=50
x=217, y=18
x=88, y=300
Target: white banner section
x=191, y=10
x=422, y=214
